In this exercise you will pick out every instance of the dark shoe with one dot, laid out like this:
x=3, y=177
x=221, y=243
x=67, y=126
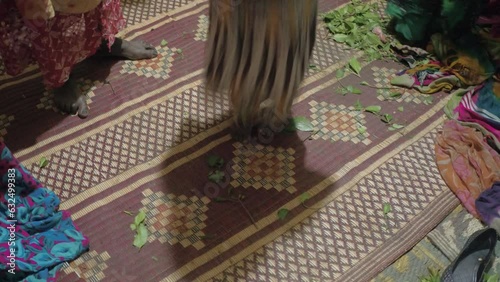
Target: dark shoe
x=475, y=258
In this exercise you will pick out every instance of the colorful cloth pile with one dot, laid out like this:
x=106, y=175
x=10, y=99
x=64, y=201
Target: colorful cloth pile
x=462, y=56
x=36, y=238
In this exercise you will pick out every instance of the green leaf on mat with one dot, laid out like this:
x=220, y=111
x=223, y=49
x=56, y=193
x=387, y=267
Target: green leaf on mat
x=395, y=126
x=133, y=226
x=215, y=161
x=129, y=213
x=395, y=94
x=43, y=162
x=313, y=67
x=141, y=237
x=139, y=218
x=364, y=83
x=354, y=90
x=216, y=176
x=164, y=43
x=340, y=37
x=373, y=109
x=362, y=130
x=304, y=197
x=387, y=118
x=339, y=73
x=355, y=65
x=433, y=276
x=299, y=123
x=401, y=109
x=387, y=208
x=428, y=100
x=358, y=106
x=282, y=213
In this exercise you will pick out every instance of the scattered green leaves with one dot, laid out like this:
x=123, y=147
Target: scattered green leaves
x=282, y=213
x=139, y=227
x=401, y=109
x=354, y=25
x=299, y=123
x=43, y=162
x=164, y=43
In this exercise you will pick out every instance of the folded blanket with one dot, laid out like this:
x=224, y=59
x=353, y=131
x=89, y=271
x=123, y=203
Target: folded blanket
x=36, y=238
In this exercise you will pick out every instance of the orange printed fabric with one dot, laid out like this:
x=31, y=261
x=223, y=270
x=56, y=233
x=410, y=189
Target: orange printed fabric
x=466, y=162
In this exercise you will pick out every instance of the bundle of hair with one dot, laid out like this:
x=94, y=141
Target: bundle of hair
x=258, y=52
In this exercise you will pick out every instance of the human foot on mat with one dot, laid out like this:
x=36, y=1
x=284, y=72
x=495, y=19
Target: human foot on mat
x=69, y=99
x=131, y=50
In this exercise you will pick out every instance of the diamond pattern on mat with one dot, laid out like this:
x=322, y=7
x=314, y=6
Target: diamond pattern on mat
x=382, y=77
x=327, y=52
x=338, y=123
x=334, y=239
x=158, y=67
x=69, y=172
x=263, y=167
x=4, y=124
x=146, y=135
x=175, y=219
x=202, y=31
x=90, y=266
x=138, y=11
x=86, y=86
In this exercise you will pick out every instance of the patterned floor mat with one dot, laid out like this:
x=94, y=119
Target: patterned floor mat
x=145, y=146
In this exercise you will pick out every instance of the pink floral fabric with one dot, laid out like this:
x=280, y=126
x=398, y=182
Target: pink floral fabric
x=56, y=44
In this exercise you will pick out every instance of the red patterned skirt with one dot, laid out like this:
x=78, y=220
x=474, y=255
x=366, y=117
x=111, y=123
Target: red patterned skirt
x=57, y=44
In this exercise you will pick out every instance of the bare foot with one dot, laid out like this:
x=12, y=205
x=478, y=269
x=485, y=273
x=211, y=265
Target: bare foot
x=70, y=100
x=131, y=50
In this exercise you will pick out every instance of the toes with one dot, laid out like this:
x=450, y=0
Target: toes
x=147, y=45
x=152, y=53
x=82, y=107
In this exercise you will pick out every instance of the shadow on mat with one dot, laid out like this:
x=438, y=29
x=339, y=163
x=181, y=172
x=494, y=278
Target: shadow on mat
x=222, y=208
x=31, y=110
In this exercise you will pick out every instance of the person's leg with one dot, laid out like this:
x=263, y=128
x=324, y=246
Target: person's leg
x=77, y=39
x=281, y=34
x=130, y=50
